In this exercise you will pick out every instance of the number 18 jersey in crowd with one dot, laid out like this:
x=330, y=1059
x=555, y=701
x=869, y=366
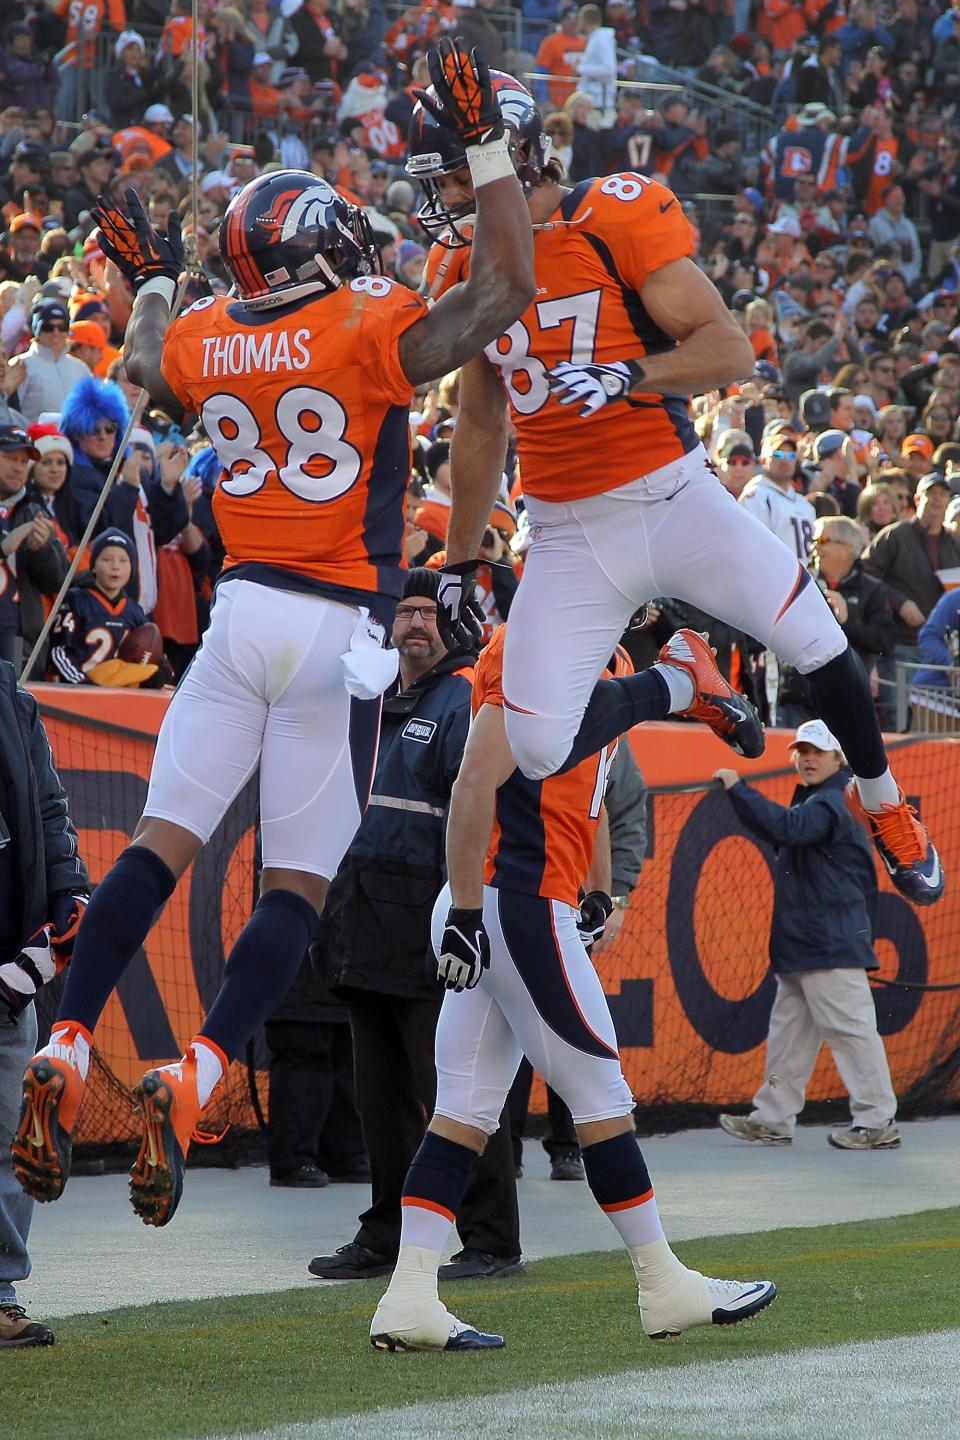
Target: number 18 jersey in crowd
x=307, y=410
x=591, y=259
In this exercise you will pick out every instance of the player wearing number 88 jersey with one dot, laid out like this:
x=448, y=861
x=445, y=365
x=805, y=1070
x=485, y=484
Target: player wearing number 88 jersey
x=302, y=380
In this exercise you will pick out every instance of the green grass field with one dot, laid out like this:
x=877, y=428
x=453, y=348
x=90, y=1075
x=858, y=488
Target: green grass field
x=249, y=1362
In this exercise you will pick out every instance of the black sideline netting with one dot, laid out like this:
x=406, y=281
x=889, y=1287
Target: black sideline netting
x=688, y=980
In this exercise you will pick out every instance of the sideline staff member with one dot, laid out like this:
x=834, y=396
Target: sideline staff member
x=821, y=946
x=378, y=943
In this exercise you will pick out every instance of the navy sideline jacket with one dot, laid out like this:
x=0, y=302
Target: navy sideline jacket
x=825, y=879
x=375, y=929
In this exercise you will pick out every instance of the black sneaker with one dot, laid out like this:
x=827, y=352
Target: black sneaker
x=351, y=1262
x=306, y=1177
x=19, y=1332
x=567, y=1167
x=478, y=1265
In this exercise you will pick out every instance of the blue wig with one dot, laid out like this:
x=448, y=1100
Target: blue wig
x=206, y=464
x=91, y=400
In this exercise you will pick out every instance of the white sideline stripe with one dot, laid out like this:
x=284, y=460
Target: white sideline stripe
x=900, y=1389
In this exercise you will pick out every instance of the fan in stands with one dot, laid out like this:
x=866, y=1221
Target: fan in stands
x=142, y=646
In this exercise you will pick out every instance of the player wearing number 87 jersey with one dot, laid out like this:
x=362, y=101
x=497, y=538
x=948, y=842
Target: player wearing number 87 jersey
x=622, y=500
x=303, y=382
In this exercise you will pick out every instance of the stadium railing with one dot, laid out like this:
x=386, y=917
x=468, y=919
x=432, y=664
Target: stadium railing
x=931, y=709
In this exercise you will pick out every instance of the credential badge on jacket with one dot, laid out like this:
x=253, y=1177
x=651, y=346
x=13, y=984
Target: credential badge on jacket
x=420, y=730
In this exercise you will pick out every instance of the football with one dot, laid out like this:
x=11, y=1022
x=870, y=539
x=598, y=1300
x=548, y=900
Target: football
x=143, y=646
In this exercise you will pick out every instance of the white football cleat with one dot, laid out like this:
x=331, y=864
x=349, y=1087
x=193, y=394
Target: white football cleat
x=688, y=1299
x=424, y=1324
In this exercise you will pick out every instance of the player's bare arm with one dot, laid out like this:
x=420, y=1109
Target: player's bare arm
x=152, y=262
x=487, y=762
x=711, y=350
x=477, y=453
x=500, y=285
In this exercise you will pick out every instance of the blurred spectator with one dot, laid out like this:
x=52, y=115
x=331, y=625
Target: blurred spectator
x=941, y=185
x=49, y=483
x=939, y=643
x=877, y=507
x=820, y=346
x=33, y=563
x=818, y=78
x=149, y=509
x=51, y=373
x=557, y=58
x=907, y=555
x=597, y=65
x=891, y=226
x=771, y=497
x=735, y=460
x=860, y=603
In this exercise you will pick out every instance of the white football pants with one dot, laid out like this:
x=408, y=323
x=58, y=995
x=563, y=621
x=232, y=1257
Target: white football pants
x=267, y=688
x=542, y=998
x=592, y=563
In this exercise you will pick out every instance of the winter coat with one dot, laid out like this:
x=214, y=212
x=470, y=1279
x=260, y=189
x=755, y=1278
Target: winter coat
x=824, y=877
x=376, y=930
x=39, y=572
x=899, y=557
x=35, y=824
x=870, y=627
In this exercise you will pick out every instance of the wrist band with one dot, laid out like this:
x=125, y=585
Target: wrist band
x=489, y=162
x=637, y=373
x=160, y=285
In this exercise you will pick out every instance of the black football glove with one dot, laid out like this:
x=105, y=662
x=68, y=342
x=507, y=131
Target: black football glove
x=464, y=949
x=465, y=99
x=595, y=910
x=66, y=913
x=139, y=251
x=20, y=979
x=593, y=386
x=459, y=615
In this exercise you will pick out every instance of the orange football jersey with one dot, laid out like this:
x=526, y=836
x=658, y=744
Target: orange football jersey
x=543, y=830
x=445, y=267
x=591, y=260
x=307, y=410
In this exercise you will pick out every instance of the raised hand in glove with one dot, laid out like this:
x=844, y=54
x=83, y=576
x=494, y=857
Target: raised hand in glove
x=459, y=615
x=595, y=910
x=465, y=99
x=464, y=949
x=66, y=913
x=593, y=386
x=20, y=979
x=139, y=251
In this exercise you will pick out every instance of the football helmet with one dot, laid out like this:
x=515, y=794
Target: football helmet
x=435, y=150
x=288, y=234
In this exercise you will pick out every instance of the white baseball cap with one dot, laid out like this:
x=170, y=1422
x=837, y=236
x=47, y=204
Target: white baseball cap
x=158, y=115
x=815, y=733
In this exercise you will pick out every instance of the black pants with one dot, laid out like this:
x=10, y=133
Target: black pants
x=313, y=1113
x=396, y=1086
x=562, y=1140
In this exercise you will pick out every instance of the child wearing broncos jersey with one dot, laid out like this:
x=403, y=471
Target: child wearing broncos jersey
x=519, y=853
x=95, y=616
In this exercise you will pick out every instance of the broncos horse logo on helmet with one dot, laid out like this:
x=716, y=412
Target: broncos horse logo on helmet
x=436, y=150
x=290, y=234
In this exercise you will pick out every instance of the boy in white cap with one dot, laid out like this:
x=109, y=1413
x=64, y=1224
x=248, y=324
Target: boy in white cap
x=825, y=892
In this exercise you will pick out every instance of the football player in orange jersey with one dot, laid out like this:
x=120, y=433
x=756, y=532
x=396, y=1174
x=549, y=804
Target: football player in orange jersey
x=303, y=383
x=623, y=502
x=519, y=853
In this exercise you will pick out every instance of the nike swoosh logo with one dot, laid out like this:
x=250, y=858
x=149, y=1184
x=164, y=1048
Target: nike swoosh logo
x=665, y=208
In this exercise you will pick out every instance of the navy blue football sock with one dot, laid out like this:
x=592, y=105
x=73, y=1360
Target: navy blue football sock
x=620, y=1182
x=118, y=919
x=433, y=1190
x=261, y=968
x=841, y=693
x=615, y=707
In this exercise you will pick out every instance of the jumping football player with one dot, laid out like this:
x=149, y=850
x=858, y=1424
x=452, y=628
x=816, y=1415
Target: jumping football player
x=623, y=502
x=303, y=383
x=511, y=941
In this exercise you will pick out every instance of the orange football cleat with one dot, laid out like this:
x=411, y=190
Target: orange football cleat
x=169, y=1110
x=903, y=845
x=53, y=1087
x=729, y=715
